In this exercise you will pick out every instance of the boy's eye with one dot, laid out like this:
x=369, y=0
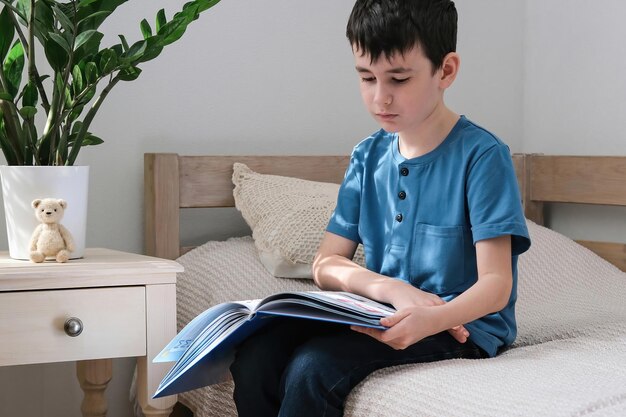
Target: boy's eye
x=367, y=79
x=401, y=80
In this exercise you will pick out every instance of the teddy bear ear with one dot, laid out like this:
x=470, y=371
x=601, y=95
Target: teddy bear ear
x=36, y=203
x=62, y=203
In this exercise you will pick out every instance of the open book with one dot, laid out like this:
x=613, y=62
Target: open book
x=204, y=348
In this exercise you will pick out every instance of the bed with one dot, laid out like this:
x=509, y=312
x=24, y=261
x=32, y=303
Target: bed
x=570, y=355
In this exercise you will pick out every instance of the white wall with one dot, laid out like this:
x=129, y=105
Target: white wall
x=575, y=96
x=250, y=77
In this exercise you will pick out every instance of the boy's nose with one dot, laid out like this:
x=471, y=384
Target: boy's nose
x=383, y=98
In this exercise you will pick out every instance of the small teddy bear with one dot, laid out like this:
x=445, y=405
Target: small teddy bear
x=50, y=238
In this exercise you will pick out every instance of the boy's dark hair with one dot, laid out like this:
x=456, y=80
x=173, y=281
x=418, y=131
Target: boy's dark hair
x=385, y=27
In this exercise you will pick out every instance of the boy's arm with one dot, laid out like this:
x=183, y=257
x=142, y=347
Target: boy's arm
x=333, y=270
x=488, y=295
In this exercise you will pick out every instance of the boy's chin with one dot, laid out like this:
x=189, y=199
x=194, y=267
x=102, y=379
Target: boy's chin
x=390, y=128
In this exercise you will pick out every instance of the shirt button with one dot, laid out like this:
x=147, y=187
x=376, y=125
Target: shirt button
x=404, y=171
x=401, y=195
x=399, y=218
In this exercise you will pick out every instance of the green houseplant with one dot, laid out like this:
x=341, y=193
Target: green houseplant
x=54, y=77
x=64, y=93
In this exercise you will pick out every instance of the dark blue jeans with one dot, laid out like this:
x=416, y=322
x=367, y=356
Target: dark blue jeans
x=299, y=368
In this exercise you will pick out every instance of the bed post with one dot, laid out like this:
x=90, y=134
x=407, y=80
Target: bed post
x=161, y=205
x=533, y=210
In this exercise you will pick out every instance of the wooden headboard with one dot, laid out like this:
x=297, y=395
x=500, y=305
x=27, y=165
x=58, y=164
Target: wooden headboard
x=173, y=182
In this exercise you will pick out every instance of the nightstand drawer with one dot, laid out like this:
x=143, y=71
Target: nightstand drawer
x=32, y=324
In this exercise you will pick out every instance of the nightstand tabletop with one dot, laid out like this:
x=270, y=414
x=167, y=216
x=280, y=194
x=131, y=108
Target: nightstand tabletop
x=98, y=268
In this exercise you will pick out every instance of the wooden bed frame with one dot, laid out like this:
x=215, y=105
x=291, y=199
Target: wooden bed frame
x=173, y=182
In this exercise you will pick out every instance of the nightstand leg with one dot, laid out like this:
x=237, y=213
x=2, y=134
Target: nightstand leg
x=93, y=376
x=160, y=329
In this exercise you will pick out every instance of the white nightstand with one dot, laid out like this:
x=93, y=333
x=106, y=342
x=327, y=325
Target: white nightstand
x=120, y=304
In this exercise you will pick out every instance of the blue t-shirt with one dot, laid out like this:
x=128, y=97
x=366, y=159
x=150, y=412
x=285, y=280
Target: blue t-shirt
x=419, y=219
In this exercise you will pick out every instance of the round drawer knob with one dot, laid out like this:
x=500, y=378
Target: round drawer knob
x=73, y=326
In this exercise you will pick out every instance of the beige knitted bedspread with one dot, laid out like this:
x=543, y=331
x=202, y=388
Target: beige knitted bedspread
x=569, y=358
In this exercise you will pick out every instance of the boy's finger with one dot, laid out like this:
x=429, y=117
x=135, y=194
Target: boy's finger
x=394, y=319
x=459, y=337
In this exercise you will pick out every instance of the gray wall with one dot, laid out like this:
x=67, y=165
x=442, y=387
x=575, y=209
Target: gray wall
x=575, y=97
x=274, y=77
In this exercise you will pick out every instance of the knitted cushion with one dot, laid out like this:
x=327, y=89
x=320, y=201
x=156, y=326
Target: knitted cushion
x=288, y=217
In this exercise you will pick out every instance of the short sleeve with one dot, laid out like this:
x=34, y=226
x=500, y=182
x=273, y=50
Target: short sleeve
x=345, y=219
x=494, y=200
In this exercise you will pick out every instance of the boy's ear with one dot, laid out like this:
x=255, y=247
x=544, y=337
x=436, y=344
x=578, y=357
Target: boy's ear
x=449, y=69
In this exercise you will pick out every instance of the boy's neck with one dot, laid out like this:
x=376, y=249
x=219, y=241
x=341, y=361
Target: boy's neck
x=428, y=135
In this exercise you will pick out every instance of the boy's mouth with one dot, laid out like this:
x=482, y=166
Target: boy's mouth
x=386, y=116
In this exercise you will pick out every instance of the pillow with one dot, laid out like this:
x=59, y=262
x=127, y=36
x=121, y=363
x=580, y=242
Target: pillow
x=288, y=217
x=565, y=290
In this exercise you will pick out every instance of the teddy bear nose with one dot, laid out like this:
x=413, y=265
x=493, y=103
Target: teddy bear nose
x=48, y=213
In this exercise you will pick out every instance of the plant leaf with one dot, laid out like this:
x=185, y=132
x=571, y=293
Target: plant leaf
x=65, y=21
x=124, y=43
x=6, y=146
x=75, y=113
x=7, y=32
x=13, y=68
x=60, y=40
x=44, y=21
x=136, y=51
x=55, y=54
x=85, y=3
x=160, y=20
x=76, y=127
x=31, y=95
x=91, y=140
x=146, y=30
x=85, y=20
x=28, y=112
x=91, y=72
x=6, y=97
x=77, y=80
x=23, y=7
x=89, y=95
x=88, y=49
x=129, y=73
x=206, y=4
x=87, y=12
x=108, y=61
x=172, y=31
x=153, y=49
x=83, y=38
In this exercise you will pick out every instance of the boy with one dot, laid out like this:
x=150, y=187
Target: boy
x=434, y=200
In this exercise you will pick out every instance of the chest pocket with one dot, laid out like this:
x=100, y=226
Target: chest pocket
x=438, y=262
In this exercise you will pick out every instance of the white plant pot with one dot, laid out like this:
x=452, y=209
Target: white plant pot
x=23, y=184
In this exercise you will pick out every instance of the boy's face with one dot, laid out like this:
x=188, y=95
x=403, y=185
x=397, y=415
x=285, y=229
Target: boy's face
x=400, y=92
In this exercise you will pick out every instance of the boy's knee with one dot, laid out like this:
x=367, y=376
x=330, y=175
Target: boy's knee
x=310, y=367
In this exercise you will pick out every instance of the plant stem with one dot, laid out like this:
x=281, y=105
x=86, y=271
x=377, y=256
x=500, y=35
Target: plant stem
x=31, y=57
x=88, y=119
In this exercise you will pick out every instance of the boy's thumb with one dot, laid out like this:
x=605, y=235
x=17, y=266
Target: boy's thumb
x=394, y=319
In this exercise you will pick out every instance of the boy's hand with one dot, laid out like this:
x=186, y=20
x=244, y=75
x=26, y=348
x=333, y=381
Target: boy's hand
x=405, y=296
x=409, y=326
